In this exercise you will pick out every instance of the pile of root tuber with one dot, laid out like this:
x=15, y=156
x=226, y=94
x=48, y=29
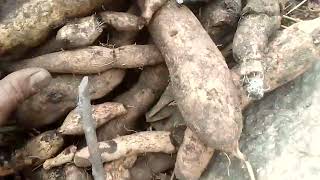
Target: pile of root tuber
x=144, y=89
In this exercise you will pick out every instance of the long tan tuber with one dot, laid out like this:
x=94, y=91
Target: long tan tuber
x=134, y=144
x=94, y=59
x=66, y=156
x=200, y=78
x=60, y=97
x=101, y=113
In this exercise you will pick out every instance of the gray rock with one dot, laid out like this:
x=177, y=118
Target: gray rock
x=281, y=136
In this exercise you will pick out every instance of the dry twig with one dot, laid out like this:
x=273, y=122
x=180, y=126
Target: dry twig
x=296, y=7
x=84, y=107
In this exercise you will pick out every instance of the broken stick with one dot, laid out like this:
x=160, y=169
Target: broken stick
x=84, y=107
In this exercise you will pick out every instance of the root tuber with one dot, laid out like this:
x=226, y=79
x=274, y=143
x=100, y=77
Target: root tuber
x=66, y=156
x=93, y=59
x=149, y=7
x=151, y=164
x=79, y=33
x=40, y=148
x=101, y=113
x=134, y=144
x=260, y=19
x=73, y=172
x=122, y=38
x=119, y=169
x=122, y=21
x=199, y=75
x=291, y=53
x=220, y=18
x=192, y=158
x=60, y=97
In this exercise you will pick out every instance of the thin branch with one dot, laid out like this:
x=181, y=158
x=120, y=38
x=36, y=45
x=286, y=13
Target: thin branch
x=296, y=7
x=84, y=107
x=291, y=18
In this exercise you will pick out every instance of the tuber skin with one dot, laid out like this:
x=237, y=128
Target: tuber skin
x=192, y=158
x=144, y=168
x=122, y=21
x=199, y=75
x=60, y=97
x=80, y=32
x=122, y=38
x=119, y=169
x=67, y=172
x=101, y=113
x=260, y=19
x=40, y=148
x=26, y=24
x=73, y=172
x=219, y=18
x=66, y=156
x=149, y=7
x=291, y=53
x=52, y=45
x=33, y=153
x=151, y=164
x=137, y=100
x=94, y=59
x=122, y=146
